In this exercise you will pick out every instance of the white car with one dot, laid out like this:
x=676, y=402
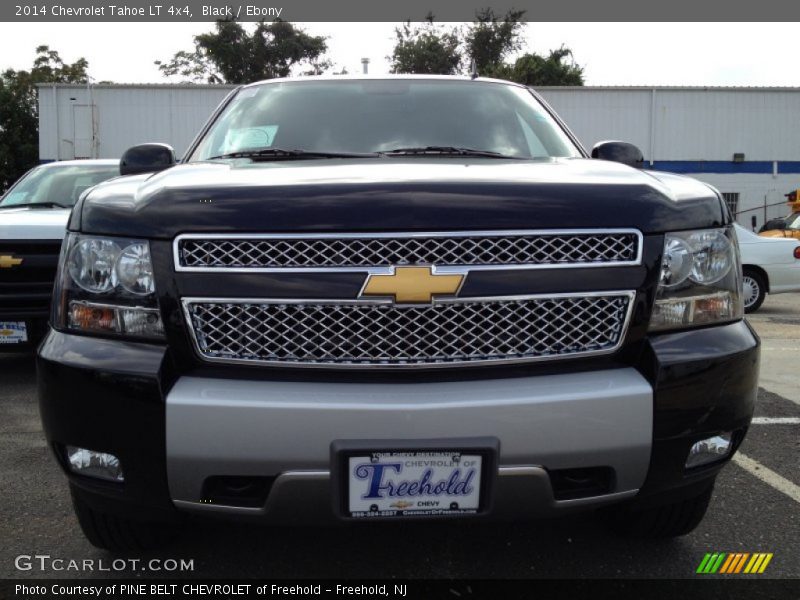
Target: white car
x=770, y=266
x=33, y=219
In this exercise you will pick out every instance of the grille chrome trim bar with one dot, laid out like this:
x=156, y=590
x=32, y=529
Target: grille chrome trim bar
x=625, y=323
x=442, y=266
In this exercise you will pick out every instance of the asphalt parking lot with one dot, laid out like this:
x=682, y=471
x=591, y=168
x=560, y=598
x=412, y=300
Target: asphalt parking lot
x=755, y=508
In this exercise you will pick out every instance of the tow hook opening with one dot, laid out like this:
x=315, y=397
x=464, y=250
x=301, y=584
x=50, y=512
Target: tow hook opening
x=243, y=491
x=571, y=484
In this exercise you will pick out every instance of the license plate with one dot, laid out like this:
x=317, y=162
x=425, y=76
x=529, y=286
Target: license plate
x=409, y=483
x=13, y=332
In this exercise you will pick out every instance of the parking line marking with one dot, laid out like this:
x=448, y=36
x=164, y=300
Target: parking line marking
x=768, y=476
x=776, y=421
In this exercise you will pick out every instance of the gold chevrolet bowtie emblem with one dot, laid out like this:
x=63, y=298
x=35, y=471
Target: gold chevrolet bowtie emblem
x=6, y=261
x=412, y=285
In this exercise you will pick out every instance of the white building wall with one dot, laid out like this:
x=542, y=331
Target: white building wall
x=690, y=123
x=122, y=116
x=715, y=124
x=596, y=114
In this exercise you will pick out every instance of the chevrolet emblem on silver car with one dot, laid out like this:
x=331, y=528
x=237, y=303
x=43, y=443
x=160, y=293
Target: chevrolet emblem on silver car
x=9, y=261
x=457, y=314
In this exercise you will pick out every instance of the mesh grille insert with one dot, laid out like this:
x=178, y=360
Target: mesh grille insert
x=477, y=249
x=359, y=333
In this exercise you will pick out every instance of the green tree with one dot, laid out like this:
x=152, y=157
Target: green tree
x=557, y=68
x=232, y=55
x=19, y=150
x=19, y=109
x=426, y=49
x=490, y=40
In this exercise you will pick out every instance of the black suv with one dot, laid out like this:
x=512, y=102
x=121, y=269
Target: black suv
x=392, y=298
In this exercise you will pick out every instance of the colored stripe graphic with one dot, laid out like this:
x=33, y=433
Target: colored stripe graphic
x=741, y=562
x=711, y=563
x=732, y=559
x=703, y=563
x=753, y=561
x=758, y=563
x=764, y=564
x=718, y=563
x=734, y=562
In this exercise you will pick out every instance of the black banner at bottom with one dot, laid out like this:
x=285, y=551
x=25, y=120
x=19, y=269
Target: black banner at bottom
x=544, y=589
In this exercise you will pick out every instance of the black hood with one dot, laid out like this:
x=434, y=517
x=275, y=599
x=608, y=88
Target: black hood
x=391, y=194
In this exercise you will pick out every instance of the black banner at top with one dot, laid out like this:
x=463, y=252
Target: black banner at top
x=393, y=10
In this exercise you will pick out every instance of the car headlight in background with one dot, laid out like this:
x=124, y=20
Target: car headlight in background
x=106, y=285
x=700, y=280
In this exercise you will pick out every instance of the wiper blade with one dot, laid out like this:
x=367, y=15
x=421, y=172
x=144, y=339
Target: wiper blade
x=445, y=151
x=36, y=205
x=281, y=153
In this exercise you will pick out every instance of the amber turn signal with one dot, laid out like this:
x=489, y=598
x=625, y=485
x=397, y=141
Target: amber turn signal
x=96, y=318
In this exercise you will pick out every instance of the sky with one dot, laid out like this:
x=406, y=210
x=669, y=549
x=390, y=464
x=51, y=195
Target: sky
x=698, y=54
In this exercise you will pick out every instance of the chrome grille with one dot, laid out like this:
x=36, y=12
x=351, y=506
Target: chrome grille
x=447, y=332
x=574, y=248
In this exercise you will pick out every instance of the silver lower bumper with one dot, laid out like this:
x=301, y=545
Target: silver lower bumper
x=284, y=429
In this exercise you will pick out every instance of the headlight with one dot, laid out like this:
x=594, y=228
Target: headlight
x=106, y=285
x=700, y=280
x=134, y=269
x=91, y=264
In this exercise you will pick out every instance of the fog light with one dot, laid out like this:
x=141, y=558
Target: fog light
x=709, y=450
x=94, y=464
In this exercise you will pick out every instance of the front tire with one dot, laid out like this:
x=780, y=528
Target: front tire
x=754, y=290
x=122, y=535
x=661, y=522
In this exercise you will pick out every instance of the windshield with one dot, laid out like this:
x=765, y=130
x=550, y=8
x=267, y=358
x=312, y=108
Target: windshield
x=59, y=185
x=384, y=115
x=793, y=222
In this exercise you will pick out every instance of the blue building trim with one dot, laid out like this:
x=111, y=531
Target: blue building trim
x=726, y=166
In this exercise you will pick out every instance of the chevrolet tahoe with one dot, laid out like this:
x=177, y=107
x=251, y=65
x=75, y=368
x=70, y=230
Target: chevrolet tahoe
x=378, y=298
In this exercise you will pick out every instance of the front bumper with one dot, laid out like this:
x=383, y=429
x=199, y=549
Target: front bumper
x=171, y=433
x=285, y=429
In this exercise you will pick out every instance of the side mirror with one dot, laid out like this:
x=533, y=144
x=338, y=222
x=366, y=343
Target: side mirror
x=146, y=158
x=753, y=222
x=621, y=152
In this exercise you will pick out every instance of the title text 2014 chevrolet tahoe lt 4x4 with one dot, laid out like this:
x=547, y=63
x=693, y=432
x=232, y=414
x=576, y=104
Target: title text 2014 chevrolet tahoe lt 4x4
x=380, y=298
